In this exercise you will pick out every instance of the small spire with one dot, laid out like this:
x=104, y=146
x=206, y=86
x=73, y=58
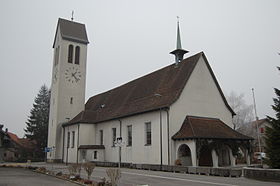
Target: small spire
x=72, y=17
x=178, y=52
x=179, y=45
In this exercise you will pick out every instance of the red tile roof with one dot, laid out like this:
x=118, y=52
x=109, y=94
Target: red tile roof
x=207, y=128
x=23, y=142
x=14, y=137
x=151, y=92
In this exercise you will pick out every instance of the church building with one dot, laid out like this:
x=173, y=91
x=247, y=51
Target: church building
x=175, y=114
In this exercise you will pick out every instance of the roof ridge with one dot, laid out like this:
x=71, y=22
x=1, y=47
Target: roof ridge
x=183, y=61
x=191, y=126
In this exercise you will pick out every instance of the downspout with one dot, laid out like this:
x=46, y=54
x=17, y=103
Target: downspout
x=67, y=145
x=120, y=148
x=160, y=128
x=63, y=144
x=78, y=141
x=168, y=133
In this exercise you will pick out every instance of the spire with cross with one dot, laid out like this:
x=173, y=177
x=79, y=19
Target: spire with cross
x=178, y=52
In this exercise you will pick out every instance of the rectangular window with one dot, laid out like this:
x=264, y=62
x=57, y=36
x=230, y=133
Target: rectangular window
x=68, y=139
x=101, y=137
x=148, y=133
x=261, y=130
x=129, y=135
x=114, y=135
x=73, y=139
x=95, y=155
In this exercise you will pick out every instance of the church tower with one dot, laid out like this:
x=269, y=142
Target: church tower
x=68, y=81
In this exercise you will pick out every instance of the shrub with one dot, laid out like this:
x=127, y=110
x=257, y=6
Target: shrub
x=114, y=175
x=88, y=167
x=178, y=162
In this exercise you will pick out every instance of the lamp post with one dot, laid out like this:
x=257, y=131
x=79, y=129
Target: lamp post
x=257, y=120
x=118, y=142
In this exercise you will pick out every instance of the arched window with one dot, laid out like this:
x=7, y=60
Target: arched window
x=70, y=54
x=77, y=55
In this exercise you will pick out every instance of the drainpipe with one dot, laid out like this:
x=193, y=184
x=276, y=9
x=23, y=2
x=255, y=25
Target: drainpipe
x=120, y=148
x=160, y=122
x=78, y=141
x=168, y=138
x=67, y=146
x=63, y=135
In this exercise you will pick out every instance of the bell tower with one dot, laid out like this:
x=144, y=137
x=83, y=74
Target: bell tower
x=68, y=81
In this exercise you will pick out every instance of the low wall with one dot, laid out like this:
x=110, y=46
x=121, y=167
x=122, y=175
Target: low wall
x=221, y=171
x=262, y=174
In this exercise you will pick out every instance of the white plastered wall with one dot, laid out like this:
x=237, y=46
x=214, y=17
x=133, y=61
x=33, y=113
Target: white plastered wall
x=200, y=97
x=84, y=135
x=138, y=152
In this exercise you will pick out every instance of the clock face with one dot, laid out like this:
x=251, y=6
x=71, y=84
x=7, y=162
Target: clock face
x=73, y=75
x=55, y=75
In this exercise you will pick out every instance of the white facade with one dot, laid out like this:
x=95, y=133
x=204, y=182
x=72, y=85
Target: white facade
x=200, y=97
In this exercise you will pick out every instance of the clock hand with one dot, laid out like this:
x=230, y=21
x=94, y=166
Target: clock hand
x=74, y=75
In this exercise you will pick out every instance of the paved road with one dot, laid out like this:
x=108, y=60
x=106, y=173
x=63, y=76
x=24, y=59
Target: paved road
x=20, y=176
x=132, y=177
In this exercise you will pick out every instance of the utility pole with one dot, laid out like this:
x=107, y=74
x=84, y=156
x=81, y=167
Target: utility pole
x=257, y=122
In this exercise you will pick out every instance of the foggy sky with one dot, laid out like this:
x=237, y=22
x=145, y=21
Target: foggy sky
x=130, y=38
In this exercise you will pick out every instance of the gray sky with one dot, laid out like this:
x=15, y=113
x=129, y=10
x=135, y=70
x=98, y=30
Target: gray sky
x=130, y=38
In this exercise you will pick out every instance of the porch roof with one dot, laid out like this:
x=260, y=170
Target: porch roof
x=195, y=127
x=91, y=147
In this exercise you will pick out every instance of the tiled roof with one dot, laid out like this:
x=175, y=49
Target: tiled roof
x=91, y=147
x=151, y=92
x=27, y=143
x=23, y=142
x=14, y=137
x=72, y=31
x=207, y=128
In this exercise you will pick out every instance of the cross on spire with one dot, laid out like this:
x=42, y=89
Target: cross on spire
x=178, y=52
x=72, y=17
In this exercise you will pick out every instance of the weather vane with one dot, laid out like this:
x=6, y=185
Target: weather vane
x=178, y=19
x=72, y=18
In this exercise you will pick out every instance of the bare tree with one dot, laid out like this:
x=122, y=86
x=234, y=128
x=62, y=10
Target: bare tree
x=88, y=167
x=244, y=112
x=114, y=175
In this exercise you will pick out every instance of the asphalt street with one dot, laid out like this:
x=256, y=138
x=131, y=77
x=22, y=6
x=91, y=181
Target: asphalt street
x=20, y=176
x=133, y=177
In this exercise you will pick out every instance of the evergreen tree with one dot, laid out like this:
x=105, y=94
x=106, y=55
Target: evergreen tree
x=37, y=122
x=273, y=134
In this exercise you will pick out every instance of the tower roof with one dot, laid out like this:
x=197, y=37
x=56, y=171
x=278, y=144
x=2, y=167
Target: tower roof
x=72, y=31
